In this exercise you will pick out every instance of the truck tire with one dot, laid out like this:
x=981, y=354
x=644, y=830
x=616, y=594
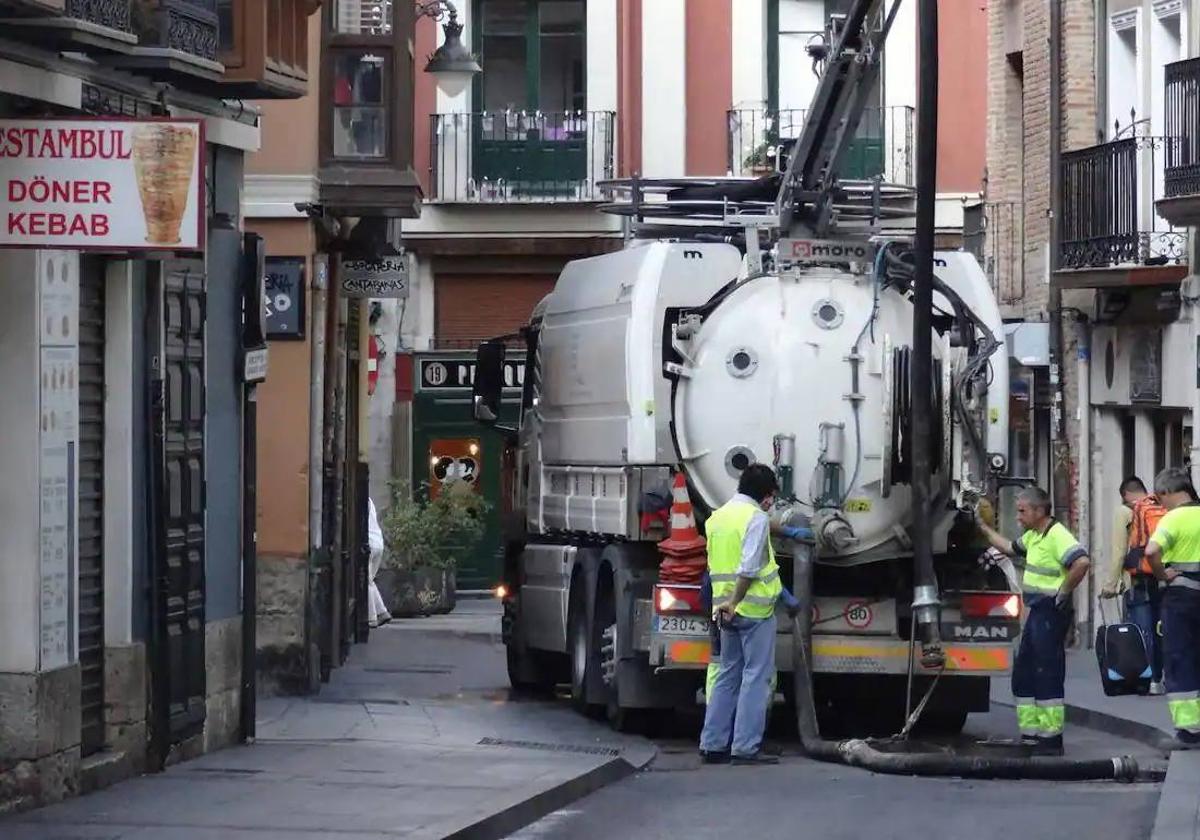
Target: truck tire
x=583, y=655
x=529, y=671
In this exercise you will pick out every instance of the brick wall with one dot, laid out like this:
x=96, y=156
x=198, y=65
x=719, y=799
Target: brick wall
x=1019, y=154
x=472, y=307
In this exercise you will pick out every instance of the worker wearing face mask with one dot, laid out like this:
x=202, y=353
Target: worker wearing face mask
x=1055, y=563
x=745, y=589
x=1173, y=555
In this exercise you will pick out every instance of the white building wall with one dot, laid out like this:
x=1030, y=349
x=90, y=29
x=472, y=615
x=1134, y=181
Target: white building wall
x=664, y=89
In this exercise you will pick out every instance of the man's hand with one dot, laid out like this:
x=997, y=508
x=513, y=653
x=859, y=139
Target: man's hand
x=724, y=611
x=1109, y=591
x=1170, y=575
x=793, y=532
x=1062, y=600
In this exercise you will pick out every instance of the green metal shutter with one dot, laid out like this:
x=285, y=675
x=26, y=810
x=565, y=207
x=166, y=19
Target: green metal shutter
x=91, y=503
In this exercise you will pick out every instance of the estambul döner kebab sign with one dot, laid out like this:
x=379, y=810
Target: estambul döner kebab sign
x=103, y=183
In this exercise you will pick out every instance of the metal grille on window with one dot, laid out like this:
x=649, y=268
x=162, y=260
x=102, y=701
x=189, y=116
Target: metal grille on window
x=91, y=503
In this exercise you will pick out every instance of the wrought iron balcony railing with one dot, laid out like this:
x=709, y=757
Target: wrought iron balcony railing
x=1108, y=218
x=520, y=157
x=884, y=144
x=1182, y=112
x=111, y=14
x=185, y=26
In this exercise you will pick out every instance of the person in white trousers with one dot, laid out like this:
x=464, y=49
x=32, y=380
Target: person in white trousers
x=377, y=611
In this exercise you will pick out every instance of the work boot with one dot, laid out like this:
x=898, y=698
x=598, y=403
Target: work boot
x=1157, y=689
x=1187, y=740
x=714, y=757
x=754, y=758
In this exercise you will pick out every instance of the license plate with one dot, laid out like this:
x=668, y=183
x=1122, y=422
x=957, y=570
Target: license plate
x=681, y=625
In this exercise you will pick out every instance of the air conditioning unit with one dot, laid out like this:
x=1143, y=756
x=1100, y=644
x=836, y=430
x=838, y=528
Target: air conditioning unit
x=1110, y=367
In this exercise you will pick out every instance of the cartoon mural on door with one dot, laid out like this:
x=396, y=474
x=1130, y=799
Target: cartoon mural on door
x=454, y=459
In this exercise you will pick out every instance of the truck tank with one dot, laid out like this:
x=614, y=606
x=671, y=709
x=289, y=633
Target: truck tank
x=801, y=372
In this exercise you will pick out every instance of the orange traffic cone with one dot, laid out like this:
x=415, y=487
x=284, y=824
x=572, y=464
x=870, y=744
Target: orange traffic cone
x=685, y=542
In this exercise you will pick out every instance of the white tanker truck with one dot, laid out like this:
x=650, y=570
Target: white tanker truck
x=757, y=321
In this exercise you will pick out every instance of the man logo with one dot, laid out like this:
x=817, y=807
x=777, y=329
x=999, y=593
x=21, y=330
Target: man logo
x=981, y=633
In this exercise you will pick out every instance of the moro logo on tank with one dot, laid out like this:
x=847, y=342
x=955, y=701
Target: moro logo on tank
x=824, y=250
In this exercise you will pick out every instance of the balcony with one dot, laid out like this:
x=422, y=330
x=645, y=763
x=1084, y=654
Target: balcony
x=177, y=41
x=81, y=25
x=264, y=47
x=1109, y=231
x=366, y=116
x=1180, y=202
x=884, y=144
x=510, y=157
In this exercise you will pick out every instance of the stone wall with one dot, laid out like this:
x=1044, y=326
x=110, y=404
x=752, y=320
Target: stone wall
x=39, y=737
x=286, y=664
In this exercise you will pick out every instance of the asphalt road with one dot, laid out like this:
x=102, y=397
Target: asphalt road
x=680, y=798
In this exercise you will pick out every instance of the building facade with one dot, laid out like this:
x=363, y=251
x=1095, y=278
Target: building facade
x=1088, y=246
x=122, y=515
x=328, y=187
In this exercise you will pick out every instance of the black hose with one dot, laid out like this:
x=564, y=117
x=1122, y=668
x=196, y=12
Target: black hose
x=860, y=753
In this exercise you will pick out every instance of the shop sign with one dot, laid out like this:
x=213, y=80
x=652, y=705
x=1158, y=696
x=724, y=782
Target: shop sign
x=382, y=277
x=102, y=183
x=452, y=374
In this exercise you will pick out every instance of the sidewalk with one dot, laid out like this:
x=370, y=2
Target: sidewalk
x=1143, y=719
x=415, y=737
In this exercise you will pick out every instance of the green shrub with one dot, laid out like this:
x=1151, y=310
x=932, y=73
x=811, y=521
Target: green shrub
x=432, y=534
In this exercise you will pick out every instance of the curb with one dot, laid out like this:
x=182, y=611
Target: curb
x=513, y=818
x=1143, y=733
x=1176, y=817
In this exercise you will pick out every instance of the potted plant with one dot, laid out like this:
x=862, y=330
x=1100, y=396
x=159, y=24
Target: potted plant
x=424, y=539
x=761, y=161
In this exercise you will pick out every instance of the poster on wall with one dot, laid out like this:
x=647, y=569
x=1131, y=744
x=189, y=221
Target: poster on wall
x=102, y=183
x=58, y=436
x=285, y=297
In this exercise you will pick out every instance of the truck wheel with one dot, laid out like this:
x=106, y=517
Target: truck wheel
x=529, y=671
x=582, y=655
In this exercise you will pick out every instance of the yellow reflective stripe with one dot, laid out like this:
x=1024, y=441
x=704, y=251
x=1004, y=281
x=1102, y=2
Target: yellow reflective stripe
x=1028, y=718
x=722, y=578
x=1052, y=716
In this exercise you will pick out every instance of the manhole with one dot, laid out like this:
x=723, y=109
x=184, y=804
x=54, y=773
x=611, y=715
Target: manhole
x=538, y=745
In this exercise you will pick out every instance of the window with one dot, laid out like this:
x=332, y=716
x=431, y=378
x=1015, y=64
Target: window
x=363, y=17
x=264, y=46
x=359, y=114
x=532, y=52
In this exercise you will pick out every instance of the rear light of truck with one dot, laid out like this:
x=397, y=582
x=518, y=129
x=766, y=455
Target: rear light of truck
x=677, y=598
x=991, y=605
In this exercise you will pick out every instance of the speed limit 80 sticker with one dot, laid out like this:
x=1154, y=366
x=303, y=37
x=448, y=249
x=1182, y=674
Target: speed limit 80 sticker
x=858, y=614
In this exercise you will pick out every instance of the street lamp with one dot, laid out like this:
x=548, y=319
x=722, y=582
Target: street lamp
x=452, y=62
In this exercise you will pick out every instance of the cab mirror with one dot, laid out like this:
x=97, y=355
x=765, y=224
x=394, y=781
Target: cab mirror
x=489, y=381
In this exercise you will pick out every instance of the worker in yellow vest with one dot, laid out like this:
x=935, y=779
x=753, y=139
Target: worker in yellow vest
x=1173, y=555
x=1055, y=563
x=745, y=585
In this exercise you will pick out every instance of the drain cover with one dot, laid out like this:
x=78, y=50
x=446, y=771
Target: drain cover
x=538, y=745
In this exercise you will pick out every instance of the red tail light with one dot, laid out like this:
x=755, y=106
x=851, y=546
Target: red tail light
x=676, y=598
x=991, y=605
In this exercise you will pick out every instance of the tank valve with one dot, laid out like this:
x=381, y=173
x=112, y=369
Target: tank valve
x=834, y=532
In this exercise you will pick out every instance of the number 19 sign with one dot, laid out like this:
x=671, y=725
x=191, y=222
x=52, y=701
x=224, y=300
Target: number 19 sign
x=105, y=183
